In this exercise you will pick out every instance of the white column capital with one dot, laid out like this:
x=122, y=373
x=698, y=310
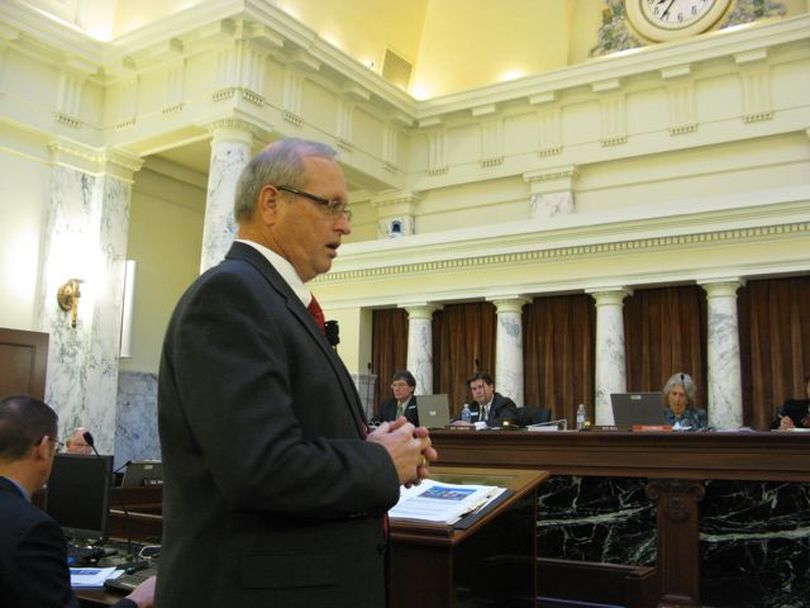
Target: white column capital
x=509, y=304
x=111, y=161
x=722, y=288
x=421, y=311
x=609, y=296
x=234, y=130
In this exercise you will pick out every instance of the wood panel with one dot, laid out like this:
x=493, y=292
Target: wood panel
x=767, y=456
x=23, y=362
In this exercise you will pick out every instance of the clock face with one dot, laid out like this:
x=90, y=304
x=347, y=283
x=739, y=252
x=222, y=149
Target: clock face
x=669, y=19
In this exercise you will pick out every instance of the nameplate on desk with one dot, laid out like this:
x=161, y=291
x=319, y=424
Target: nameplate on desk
x=660, y=428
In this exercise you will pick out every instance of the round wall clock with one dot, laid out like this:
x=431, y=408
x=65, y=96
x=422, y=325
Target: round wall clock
x=660, y=20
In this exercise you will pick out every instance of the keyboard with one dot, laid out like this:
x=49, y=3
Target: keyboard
x=128, y=582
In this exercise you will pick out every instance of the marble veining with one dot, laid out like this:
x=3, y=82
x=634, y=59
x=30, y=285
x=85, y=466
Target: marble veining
x=610, y=357
x=549, y=204
x=420, y=352
x=723, y=350
x=509, y=355
x=136, y=430
x=228, y=158
x=87, y=225
x=754, y=546
x=596, y=519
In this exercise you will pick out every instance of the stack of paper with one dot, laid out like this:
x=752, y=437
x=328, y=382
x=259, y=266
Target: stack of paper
x=442, y=503
x=89, y=577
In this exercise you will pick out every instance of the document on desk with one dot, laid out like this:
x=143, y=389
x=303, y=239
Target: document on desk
x=442, y=503
x=89, y=577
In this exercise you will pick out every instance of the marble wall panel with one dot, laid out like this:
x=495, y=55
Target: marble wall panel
x=136, y=431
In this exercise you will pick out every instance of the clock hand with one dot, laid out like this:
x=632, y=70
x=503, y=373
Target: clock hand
x=666, y=10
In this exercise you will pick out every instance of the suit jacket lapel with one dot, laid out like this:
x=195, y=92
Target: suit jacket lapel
x=247, y=253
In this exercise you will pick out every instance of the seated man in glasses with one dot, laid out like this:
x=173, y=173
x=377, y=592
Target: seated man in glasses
x=77, y=444
x=403, y=403
x=33, y=553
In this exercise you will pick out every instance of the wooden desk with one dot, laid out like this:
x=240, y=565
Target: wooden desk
x=427, y=565
x=675, y=466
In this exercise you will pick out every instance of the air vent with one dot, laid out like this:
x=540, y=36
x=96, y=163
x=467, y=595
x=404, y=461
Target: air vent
x=396, y=69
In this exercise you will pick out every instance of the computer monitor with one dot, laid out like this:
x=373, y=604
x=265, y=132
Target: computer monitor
x=79, y=494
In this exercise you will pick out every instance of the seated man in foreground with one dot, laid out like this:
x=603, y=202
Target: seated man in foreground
x=33, y=553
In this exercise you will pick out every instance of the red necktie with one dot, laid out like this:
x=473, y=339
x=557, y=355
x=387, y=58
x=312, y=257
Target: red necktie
x=317, y=313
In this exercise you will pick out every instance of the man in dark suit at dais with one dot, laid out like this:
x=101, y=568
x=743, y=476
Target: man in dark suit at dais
x=274, y=492
x=33, y=554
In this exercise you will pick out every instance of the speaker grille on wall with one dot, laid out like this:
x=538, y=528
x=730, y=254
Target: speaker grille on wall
x=396, y=69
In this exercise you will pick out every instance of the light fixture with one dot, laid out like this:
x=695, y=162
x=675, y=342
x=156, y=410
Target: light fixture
x=68, y=297
x=125, y=351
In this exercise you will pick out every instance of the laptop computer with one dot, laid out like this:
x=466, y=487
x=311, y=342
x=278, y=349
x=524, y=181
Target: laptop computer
x=434, y=410
x=143, y=473
x=637, y=408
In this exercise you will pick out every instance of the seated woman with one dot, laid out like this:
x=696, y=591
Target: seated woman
x=679, y=404
x=794, y=413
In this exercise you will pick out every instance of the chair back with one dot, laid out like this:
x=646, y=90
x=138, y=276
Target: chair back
x=533, y=415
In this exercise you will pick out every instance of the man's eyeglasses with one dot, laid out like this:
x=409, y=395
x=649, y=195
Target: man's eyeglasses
x=335, y=207
x=58, y=445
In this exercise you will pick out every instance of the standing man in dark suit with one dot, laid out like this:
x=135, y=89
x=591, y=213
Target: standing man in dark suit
x=486, y=404
x=33, y=554
x=403, y=403
x=273, y=493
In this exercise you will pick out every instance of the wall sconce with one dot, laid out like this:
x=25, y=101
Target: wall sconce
x=68, y=297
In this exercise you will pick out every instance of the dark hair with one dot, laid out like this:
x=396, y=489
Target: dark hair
x=405, y=375
x=24, y=421
x=480, y=376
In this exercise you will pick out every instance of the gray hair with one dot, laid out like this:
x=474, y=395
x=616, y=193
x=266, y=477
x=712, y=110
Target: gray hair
x=280, y=164
x=688, y=384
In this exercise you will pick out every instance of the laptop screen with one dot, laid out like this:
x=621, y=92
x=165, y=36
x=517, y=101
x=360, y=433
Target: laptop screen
x=637, y=408
x=434, y=410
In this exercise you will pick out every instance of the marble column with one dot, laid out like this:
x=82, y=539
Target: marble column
x=230, y=151
x=85, y=237
x=509, y=348
x=611, y=372
x=420, y=345
x=723, y=351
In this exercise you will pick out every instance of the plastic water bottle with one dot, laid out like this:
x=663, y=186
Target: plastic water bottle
x=581, y=417
x=466, y=414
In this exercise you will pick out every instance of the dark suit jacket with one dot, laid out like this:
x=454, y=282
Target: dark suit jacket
x=33, y=556
x=270, y=497
x=502, y=408
x=388, y=410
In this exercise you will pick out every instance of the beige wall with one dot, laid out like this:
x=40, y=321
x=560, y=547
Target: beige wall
x=468, y=44
x=24, y=195
x=165, y=236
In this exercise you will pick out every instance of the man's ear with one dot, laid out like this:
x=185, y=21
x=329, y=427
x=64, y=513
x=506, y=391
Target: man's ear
x=44, y=447
x=267, y=204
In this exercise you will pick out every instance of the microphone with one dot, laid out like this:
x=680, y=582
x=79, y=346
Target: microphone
x=477, y=365
x=332, y=332
x=88, y=438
